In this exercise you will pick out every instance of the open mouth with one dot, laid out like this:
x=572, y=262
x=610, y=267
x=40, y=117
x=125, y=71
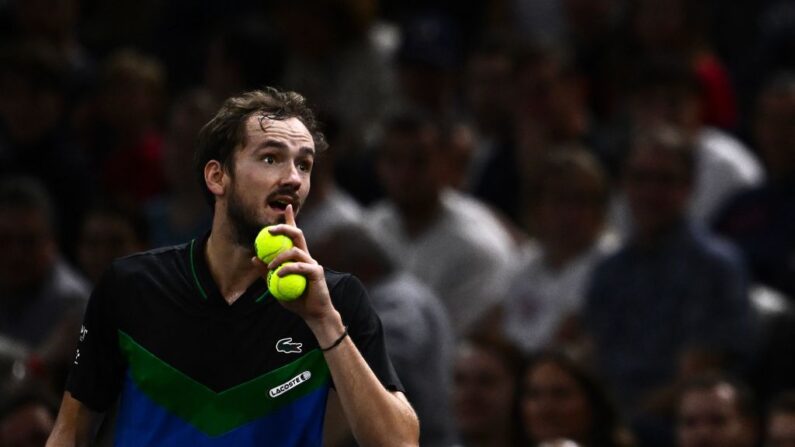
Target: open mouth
x=280, y=203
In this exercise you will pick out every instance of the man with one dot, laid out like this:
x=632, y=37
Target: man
x=449, y=240
x=668, y=92
x=193, y=344
x=673, y=288
x=781, y=421
x=42, y=296
x=715, y=411
x=760, y=219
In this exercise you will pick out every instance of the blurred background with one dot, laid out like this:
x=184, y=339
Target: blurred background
x=575, y=217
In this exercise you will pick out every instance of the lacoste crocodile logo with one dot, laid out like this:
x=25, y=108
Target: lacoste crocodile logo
x=286, y=346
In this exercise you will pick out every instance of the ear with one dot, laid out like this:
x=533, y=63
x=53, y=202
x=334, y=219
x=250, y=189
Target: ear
x=215, y=177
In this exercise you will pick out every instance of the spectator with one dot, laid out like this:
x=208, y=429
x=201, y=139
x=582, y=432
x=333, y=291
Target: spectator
x=678, y=29
x=34, y=137
x=781, y=421
x=484, y=390
x=667, y=92
x=418, y=335
x=428, y=60
x=714, y=410
x=760, y=220
x=329, y=205
x=492, y=173
x=449, y=240
x=42, y=296
x=333, y=60
x=128, y=143
x=109, y=232
x=562, y=400
x=672, y=287
x=568, y=213
x=550, y=103
x=180, y=213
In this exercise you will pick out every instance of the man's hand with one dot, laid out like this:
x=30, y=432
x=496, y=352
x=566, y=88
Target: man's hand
x=315, y=306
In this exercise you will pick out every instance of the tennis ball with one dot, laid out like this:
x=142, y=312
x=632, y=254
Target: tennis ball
x=268, y=246
x=287, y=288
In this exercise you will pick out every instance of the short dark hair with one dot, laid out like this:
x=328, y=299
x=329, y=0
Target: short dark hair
x=744, y=398
x=219, y=138
x=27, y=193
x=666, y=139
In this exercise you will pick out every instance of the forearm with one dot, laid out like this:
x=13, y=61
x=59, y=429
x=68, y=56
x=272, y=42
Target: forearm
x=376, y=416
x=73, y=424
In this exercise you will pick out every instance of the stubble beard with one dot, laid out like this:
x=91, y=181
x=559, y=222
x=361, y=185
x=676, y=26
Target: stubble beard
x=244, y=223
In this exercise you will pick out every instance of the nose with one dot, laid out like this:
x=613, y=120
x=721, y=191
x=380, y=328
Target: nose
x=292, y=176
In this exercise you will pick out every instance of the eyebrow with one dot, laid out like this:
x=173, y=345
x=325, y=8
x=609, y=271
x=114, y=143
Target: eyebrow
x=303, y=150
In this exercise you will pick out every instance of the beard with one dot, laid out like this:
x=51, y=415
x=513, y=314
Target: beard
x=244, y=222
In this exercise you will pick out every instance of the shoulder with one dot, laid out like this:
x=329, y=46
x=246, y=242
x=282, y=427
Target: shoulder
x=720, y=148
x=475, y=223
x=164, y=260
x=714, y=250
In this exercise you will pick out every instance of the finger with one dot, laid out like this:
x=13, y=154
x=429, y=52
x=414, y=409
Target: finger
x=289, y=216
x=291, y=255
x=312, y=272
x=293, y=232
x=259, y=265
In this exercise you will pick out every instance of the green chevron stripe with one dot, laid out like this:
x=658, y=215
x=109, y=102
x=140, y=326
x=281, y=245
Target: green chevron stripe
x=218, y=413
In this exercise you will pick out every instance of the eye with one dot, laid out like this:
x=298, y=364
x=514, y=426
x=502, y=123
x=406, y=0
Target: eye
x=305, y=166
x=269, y=159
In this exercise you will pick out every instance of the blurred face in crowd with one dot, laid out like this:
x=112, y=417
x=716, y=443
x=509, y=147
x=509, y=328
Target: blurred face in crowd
x=28, y=112
x=775, y=131
x=781, y=429
x=551, y=100
x=711, y=418
x=489, y=83
x=657, y=186
x=483, y=392
x=569, y=214
x=29, y=248
x=676, y=105
x=270, y=171
x=459, y=149
x=103, y=238
x=410, y=169
x=554, y=405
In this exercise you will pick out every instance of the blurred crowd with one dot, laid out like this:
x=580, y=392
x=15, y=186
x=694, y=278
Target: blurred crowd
x=576, y=218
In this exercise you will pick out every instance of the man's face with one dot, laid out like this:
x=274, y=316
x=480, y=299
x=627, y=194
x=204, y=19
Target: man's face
x=29, y=249
x=710, y=418
x=409, y=169
x=569, y=214
x=271, y=170
x=658, y=190
x=781, y=430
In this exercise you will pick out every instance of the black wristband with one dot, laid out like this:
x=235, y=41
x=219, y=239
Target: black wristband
x=337, y=341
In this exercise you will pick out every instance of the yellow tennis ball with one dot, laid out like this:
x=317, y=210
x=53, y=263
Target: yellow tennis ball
x=286, y=288
x=268, y=246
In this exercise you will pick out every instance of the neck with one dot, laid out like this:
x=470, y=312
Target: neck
x=418, y=218
x=229, y=263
